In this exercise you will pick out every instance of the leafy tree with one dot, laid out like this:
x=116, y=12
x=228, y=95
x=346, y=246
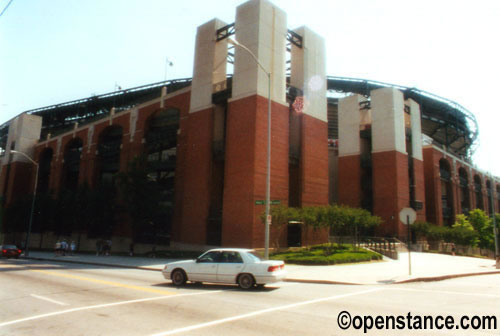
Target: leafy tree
x=483, y=225
x=281, y=215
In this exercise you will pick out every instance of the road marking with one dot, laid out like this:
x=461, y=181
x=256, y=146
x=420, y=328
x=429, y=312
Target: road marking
x=105, y=282
x=50, y=300
x=444, y=292
x=263, y=311
x=36, y=317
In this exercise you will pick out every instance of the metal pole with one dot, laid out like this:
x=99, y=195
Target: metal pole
x=495, y=233
x=268, y=175
x=26, y=251
x=409, y=244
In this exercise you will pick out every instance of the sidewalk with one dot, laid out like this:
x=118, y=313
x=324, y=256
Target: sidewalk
x=424, y=267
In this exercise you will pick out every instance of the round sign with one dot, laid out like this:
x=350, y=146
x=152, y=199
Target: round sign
x=407, y=216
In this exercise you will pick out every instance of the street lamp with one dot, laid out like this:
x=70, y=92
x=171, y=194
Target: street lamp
x=268, y=170
x=26, y=251
x=495, y=233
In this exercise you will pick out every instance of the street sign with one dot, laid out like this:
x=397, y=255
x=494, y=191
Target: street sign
x=407, y=216
x=262, y=202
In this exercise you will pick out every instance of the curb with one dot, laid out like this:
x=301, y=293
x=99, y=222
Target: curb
x=445, y=277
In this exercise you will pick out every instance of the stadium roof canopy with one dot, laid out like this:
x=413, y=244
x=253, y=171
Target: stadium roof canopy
x=446, y=122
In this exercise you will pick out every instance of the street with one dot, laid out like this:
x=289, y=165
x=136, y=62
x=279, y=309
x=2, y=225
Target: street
x=41, y=298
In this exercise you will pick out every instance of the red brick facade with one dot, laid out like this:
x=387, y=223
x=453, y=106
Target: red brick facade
x=391, y=191
x=246, y=166
x=350, y=180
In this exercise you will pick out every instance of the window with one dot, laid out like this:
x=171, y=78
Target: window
x=210, y=257
x=231, y=257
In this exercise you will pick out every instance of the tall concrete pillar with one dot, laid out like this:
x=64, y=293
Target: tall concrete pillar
x=417, y=157
x=350, y=150
x=390, y=159
x=308, y=73
x=261, y=27
x=24, y=133
x=209, y=68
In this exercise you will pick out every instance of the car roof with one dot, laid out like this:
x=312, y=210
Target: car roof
x=225, y=249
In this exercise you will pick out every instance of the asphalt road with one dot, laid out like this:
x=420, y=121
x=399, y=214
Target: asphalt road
x=67, y=299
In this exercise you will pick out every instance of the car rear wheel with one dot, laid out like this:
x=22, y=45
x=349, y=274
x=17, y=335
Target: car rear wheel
x=246, y=281
x=178, y=277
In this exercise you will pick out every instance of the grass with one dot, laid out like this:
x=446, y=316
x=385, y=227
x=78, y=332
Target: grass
x=325, y=255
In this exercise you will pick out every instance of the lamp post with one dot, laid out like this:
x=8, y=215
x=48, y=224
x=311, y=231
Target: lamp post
x=26, y=251
x=268, y=169
x=493, y=218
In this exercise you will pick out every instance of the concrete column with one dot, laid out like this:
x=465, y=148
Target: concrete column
x=417, y=155
x=391, y=190
x=210, y=63
x=308, y=72
x=261, y=27
x=350, y=150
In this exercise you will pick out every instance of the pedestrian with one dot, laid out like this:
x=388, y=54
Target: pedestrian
x=108, y=247
x=72, y=247
x=64, y=247
x=57, y=248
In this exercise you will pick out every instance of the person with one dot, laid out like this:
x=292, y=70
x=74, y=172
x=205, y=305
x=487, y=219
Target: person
x=108, y=247
x=131, y=249
x=72, y=247
x=64, y=247
x=57, y=248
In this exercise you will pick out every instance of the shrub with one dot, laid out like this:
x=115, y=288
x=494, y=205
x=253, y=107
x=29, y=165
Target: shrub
x=322, y=255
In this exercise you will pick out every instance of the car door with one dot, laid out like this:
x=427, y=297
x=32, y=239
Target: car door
x=231, y=263
x=205, y=268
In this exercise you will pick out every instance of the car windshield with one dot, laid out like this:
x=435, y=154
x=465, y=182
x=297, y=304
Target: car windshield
x=254, y=256
x=10, y=247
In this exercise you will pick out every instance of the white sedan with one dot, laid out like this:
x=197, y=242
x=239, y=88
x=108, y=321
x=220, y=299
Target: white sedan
x=240, y=266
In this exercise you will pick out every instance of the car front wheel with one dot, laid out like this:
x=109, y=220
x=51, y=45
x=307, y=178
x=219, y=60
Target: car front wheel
x=246, y=281
x=178, y=277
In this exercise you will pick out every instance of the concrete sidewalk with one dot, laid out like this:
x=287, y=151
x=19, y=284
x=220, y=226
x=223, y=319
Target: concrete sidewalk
x=424, y=267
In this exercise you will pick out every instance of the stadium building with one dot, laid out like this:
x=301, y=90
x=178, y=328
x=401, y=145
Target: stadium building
x=357, y=142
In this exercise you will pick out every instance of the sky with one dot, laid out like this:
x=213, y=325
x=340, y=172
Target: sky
x=53, y=51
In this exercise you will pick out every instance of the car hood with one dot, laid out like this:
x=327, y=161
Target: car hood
x=182, y=262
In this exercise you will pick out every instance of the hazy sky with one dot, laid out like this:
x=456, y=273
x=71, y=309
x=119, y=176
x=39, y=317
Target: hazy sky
x=52, y=51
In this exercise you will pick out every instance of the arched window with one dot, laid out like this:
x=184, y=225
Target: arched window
x=478, y=186
x=44, y=170
x=446, y=192
x=72, y=156
x=489, y=192
x=108, y=153
x=161, y=151
x=464, y=190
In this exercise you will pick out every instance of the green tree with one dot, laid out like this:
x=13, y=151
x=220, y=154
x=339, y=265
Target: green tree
x=483, y=225
x=281, y=215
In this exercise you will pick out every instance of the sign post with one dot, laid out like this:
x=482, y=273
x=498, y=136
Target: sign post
x=408, y=217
